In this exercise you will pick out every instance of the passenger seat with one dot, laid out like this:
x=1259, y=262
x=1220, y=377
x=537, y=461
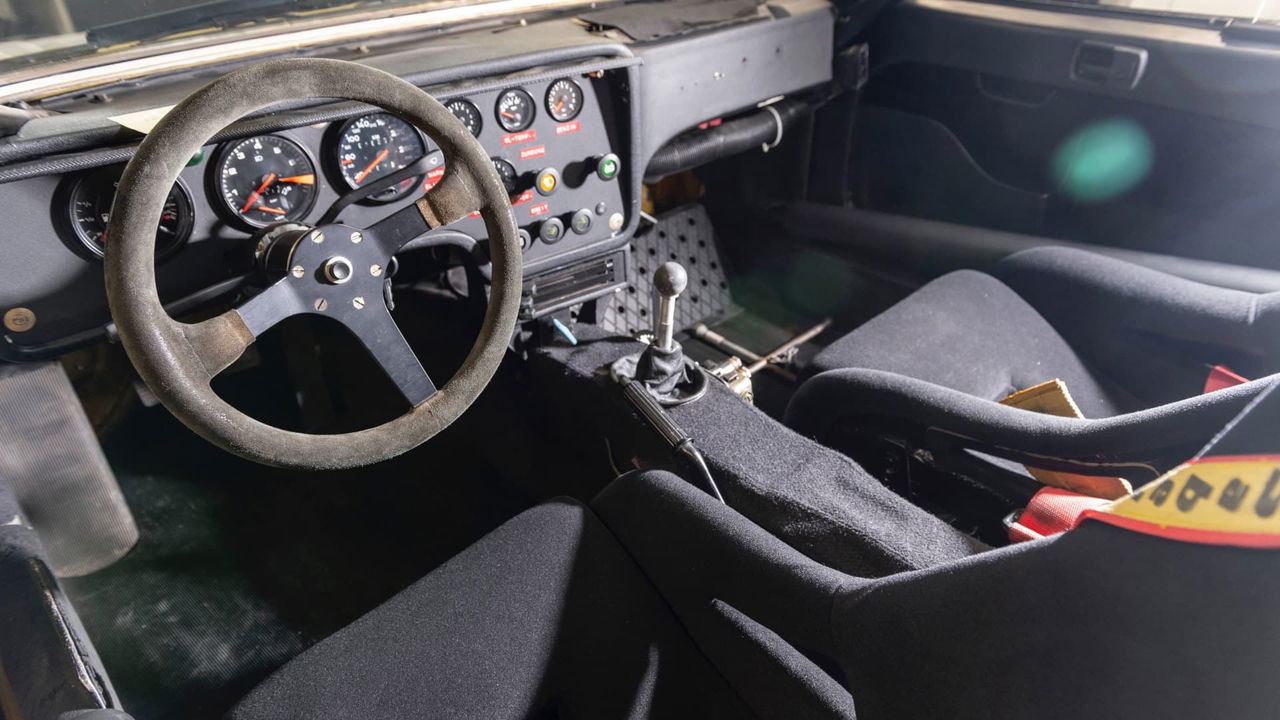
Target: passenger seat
x=1135, y=347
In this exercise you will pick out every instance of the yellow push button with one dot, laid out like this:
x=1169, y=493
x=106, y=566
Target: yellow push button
x=548, y=181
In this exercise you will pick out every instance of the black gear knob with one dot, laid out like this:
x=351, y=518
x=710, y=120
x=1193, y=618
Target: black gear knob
x=670, y=279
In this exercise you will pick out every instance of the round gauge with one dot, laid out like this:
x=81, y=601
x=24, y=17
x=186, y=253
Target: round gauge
x=266, y=179
x=468, y=113
x=89, y=209
x=515, y=110
x=564, y=100
x=374, y=146
x=506, y=173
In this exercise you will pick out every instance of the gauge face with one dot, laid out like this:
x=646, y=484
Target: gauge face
x=266, y=179
x=374, y=146
x=564, y=100
x=514, y=110
x=468, y=113
x=506, y=173
x=89, y=210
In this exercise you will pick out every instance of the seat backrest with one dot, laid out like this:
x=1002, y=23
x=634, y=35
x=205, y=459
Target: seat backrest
x=1099, y=622
x=1162, y=606
x=1117, y=313
x=1145, y=442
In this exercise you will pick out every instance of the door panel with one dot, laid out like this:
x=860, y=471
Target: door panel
x=1003, y=136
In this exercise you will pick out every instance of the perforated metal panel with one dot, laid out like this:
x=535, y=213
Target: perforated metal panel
x=685, y=236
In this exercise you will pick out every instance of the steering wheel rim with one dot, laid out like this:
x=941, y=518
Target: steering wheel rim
x=178, y=360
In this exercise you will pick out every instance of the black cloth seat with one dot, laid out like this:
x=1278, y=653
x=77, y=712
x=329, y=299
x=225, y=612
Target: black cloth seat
x=546, y=616
x=660, y=602
x=1133, y=346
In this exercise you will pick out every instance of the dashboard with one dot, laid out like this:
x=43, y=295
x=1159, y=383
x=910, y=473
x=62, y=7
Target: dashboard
x=549, y=142
x=569, y=113
x=557, y=138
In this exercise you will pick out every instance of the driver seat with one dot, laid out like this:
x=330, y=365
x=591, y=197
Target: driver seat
x=657, y=601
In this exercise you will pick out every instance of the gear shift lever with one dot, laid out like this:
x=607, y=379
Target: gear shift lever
x=669, y=280
x=662, y=367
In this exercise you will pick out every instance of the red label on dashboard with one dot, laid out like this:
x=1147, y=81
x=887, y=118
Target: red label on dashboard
x=433, y=177
x=523, y=136
x=539, y=209
x=536, y=151
x=567, y=128
x=522, y=198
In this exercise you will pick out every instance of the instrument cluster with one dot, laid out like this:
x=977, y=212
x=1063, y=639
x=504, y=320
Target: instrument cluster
x=541, y=144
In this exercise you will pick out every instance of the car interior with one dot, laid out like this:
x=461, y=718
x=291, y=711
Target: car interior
x=639, y=359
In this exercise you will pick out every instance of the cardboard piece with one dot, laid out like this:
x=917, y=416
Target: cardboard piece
x=1053, y=398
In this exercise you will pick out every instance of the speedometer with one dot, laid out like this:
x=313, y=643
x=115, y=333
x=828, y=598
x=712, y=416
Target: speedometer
x=374, y=146
x=264, y=180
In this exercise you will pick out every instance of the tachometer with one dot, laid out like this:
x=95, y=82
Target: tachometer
x=564, y=100
x=88, y=204
x=514, y=110
x=468, y=113
x=264, y=180
x=374, y=146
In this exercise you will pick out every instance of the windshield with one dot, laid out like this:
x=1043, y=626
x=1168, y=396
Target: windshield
x=41, y=31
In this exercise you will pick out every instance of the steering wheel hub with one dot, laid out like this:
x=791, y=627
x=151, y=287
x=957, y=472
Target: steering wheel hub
x=337, y=270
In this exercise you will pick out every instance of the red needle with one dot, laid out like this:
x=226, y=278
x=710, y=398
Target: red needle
x=273, y=211
x=365, y=172
x=253, y=198
x=508, y=115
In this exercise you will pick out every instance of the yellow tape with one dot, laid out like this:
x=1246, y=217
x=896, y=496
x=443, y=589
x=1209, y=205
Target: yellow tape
x=1218, y=500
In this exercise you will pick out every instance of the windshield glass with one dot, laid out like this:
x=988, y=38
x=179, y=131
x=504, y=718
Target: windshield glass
x=41, y=31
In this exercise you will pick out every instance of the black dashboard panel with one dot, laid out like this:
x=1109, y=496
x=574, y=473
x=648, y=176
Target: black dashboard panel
x=593, y=211
x=634, y=97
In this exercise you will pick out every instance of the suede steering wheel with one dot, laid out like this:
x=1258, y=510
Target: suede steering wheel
x=332, y=270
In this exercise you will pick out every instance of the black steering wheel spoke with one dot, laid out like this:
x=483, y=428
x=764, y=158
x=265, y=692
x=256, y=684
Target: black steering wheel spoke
x=270, y=307
x=378, y=332
x=449, y=201
x=399, y=229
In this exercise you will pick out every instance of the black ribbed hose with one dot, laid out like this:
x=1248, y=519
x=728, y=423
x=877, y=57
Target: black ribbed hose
x=699, y=147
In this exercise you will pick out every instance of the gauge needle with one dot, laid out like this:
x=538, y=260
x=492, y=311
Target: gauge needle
x=300, y=179
x=560, y=105
x=508, y=115
x=365, y=172
x=273, y=211
x=253, y=197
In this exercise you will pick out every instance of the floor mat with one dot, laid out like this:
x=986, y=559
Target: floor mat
x=241, y=567
x=685, y=236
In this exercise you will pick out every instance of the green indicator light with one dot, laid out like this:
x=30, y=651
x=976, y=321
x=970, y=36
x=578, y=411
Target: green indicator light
x=197, y=158
x=608, y=166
